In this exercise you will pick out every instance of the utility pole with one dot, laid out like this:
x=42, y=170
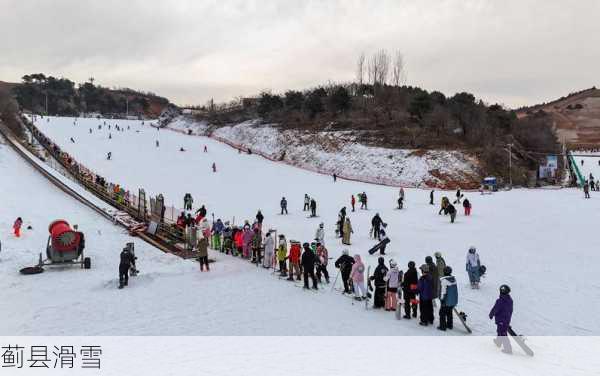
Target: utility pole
x=510, y=165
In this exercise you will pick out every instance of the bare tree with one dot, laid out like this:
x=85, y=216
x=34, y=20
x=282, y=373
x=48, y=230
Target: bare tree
x=360, y=69
x=378, y=67
x=398, y=69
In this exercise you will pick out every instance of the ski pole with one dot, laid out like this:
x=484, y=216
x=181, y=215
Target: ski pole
x=335, y=279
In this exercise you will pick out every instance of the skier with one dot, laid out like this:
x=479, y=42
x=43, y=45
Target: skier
x=347, y=231
x=126, y=261
x=269, y=250
x=203, y=252
x=467, y=206
x=308, y=266
x=376, y=223
x=458, y=196
x=283, y=205
x=392, y=279
x=452, y=211
x=473, y=266
x=313, y=207
x=345, y=263
x=108, y=156
x=431, y=197
x=282, y=255
x=358, y=278
x=217, y=230
x=17, y=227
x=448, y=299
x=424, y=287
x=214, y=167
x=435, y=276
x=592, y=184
x=256, y=245
x=502, y=313
x=322, y=260
x=353, y=202
x=259, y=217
x=294, y=259
x=320, y=234
x=378, y=278
x=306, y=202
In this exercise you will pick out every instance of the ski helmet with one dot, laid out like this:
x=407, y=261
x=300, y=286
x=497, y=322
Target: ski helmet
x=437, y=254
x=411, y=264
x=392, y=263
x=504, y=290
x=424, y=268
x=447, y=271
x=472, y=249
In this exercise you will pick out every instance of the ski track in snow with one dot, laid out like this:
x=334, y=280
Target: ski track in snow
x=537, y=241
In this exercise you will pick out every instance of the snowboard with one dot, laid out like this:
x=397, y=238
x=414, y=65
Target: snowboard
x=379, y=245
x=520, y=340
x=462, y=317
x=367, y=286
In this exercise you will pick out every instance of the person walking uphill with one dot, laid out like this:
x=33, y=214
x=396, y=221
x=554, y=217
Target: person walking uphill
x=308, y=266
x=502, y=313
x=379, y=279
x=345, y=263
x=17, y=227
x=425, y=288
x=448, y=299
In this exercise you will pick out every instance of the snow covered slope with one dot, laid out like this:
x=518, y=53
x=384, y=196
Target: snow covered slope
x=590, y=163
x=537, y=241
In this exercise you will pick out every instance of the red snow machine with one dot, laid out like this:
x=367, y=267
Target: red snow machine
x=65, y=246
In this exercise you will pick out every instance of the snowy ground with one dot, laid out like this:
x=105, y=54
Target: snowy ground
x=590, y=163
x=537, y=241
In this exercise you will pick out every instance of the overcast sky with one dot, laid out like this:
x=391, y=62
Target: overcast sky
x=511, y=52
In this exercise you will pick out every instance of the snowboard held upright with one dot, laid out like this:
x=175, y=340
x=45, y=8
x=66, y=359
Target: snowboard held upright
x=520, y=340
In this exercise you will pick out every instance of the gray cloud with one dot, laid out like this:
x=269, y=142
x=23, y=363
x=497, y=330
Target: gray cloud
x=512, y=52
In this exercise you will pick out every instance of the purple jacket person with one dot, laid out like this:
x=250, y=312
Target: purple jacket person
x=502, y=312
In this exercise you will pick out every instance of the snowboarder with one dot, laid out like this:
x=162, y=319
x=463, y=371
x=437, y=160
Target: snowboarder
x=353, y=202
x=308, y=266
x=313, y=207
x=431, y=197
x=435, y=276
x=283, y=205
x=467, y=206
x=409, y=288
x=347, y=231
x=425, y=289
x=17, y=227
x=214, y=167
x=502, y=313
x=282, y=255
x=344, y=263
x=392, y=279
x=448, y=299
x=378, y=278
x=127, y=259
x=322, y=260
x=452, y=211
x=320, y=234
x=203, y=252
x=358, y=278
x=269, y=250
x=376, y=226
x=473, y=267
x=306, y=202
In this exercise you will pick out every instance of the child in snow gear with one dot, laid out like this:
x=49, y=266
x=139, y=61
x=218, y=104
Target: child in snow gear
x=17, y=227
x=425, y=288
x=308, y=266
x=393, y=278
x=313, y=207
x=203, y=252
x=347, y=230
x=345, y=263
x=282, y=255
x=283, y=205
x=378, y=278
x=306, y=202
x=409, y=288
x=238, y=241
x=353, y=202
x=467, y=206
x=322, y=260
x=358, y=278
x=320, y=234
x=448, y=299
x=473, y=267
x=269, y=250
x=126, y=261
x=502, y=312
x=294, y=259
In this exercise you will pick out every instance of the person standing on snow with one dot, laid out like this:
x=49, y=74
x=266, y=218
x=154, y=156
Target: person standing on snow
x=450, y=209
x=376, y=226
x=344, y=263
x=458, y=196
x=259, y=217
x=227, y=238
x=467, y=206
x=431, y=197
x=410, y=289
x=440, y=263
x=378, y=278
x=322, y=260
x=256, y=245
x=425, y=289
x=308, y=266
x=294, y=259
x=214, y=167
x=306, y=202
x=473, y=267
x=435, y=276
x=320, y=234
x=126, y=261
x=313, y=207
x=353, y=202
x=347, y=228
x=203, y=252
x=448, y=299
x=502, y=312
x=586, y=189
x=283, y=204
x=217, y=230
x=17, y=227
x=358, y=278
x=363, y=201
x=282, y=255
x=401, y=198
x=247, y=241
x=393, y=278
x=269, y=250
x=334, y=177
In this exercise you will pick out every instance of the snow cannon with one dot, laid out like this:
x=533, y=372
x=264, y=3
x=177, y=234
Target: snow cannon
x=65, y=246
